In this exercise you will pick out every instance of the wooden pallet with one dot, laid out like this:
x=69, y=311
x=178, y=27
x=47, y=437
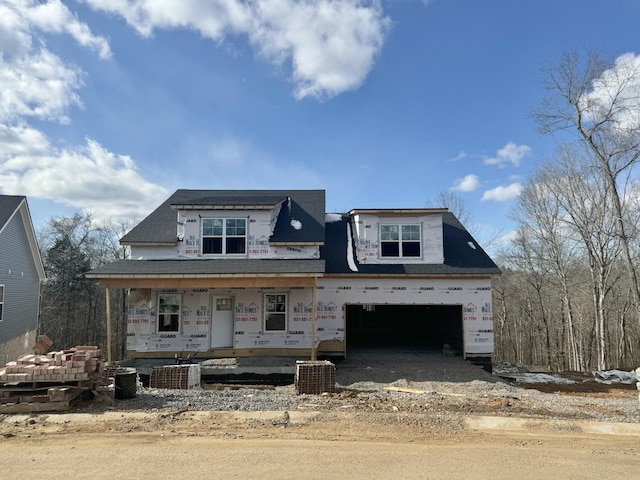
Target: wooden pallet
x=61, y=406
x=44, y=398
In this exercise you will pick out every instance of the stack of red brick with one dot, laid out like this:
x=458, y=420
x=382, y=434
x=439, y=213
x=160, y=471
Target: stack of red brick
x=74, y=365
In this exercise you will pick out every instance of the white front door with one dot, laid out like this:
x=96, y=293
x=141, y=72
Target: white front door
x=221, y=322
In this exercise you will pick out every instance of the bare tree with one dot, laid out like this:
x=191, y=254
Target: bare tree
x=542, y=217
x=598, y=101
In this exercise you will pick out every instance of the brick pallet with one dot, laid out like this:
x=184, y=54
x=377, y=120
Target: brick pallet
x=315, y=377
x=180, y=377
x=37, y=383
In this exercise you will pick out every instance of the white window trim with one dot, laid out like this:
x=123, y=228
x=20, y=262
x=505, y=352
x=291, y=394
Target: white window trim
x=180, y=299
x=400, y=225
x=265, y=312
x=224, y=236
x=2, y=289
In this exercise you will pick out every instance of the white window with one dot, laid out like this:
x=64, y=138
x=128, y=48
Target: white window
x=169, y=312
x=275, y=312
x=1, y=301
x=397, y=240
x=224, y=236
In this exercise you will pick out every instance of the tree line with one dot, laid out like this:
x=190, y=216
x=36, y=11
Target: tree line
x=569, y=297
x=72, y=307
x=569, y=294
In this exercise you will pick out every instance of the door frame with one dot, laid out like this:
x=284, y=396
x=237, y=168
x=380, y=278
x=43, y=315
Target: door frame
x=213, y=305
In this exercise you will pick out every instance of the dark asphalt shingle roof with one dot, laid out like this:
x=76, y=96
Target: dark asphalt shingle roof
x=307, y=206
x=303, y=206
x=8, y=206
x=459, y=257
x=208, y=267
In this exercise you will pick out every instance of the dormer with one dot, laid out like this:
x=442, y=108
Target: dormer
x=388, y=236
x=232, y=224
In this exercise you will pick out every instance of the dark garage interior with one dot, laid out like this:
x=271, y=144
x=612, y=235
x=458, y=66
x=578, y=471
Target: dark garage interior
x=409, y=326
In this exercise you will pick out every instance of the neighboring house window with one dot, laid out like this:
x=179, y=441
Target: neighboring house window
x=400, y=240
x=168, y=312
x=275, y=312
x=1, y=301
x=224, y=236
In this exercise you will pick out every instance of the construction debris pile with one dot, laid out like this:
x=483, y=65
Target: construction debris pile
x=37, y=383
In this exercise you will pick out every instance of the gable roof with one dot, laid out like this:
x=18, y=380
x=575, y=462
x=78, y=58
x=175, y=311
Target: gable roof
x=462, y=254
x=10, y=205
x=301, y=217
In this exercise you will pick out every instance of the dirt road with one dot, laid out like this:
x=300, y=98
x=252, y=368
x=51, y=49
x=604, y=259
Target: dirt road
x=311, y=445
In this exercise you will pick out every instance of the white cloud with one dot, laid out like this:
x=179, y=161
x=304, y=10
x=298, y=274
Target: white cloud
x=22, y=140
x=87, y=178
x=53, y=16
x=466, y=184
x=18, y=19
x=462, y=155
x=34, y=82
x=330, y=44
x=37, y=84
x=616, y=93
x=510, y=153
x=502, y=193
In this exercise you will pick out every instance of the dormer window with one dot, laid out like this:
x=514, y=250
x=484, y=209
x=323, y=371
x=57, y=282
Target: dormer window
x=224, y=236
x=400, y=241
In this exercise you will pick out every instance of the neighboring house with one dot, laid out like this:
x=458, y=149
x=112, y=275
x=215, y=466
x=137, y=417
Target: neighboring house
x=21, y=275
x=245, y=273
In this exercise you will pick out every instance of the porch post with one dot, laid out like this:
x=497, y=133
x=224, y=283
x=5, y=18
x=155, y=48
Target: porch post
x=313, y=320
x=108, y=303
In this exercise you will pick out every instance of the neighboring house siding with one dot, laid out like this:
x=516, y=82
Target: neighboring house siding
x=19, y=276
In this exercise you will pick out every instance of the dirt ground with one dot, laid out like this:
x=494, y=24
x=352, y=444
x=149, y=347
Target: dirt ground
x=310, y=445
x=326, y=445
x=359, y=437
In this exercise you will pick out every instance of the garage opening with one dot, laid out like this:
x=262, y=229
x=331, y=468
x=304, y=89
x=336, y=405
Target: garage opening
x=426, y=327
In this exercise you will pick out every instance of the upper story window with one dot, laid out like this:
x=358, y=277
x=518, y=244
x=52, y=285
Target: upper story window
x=1, y=301
x=397, y=240
x=168, y=312
x=224, y=236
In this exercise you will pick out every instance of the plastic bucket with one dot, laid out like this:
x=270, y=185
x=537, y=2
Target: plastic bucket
x=126, y=381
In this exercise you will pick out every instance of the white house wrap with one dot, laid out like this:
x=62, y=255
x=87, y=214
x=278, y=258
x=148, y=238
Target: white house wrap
x=231, y=273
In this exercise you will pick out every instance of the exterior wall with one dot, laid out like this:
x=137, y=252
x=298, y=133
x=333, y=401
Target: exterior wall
x=20, y=345
x=367, y=241
x=332, y=296
x=19, y=275
x=260, y=226
x=196, y=321
x=474, y=296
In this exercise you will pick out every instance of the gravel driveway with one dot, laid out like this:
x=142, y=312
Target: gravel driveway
x=401, y=380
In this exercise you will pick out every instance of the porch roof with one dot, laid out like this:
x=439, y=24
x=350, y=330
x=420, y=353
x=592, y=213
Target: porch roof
x=167, y=268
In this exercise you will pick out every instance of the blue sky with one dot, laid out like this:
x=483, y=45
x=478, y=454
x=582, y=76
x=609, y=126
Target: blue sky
x=109, y=106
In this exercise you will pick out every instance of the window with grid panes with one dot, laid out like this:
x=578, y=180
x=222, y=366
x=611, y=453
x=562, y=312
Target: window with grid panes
x=169, y=312
x=400, y=240
x=275, y=312
x=224, y=236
